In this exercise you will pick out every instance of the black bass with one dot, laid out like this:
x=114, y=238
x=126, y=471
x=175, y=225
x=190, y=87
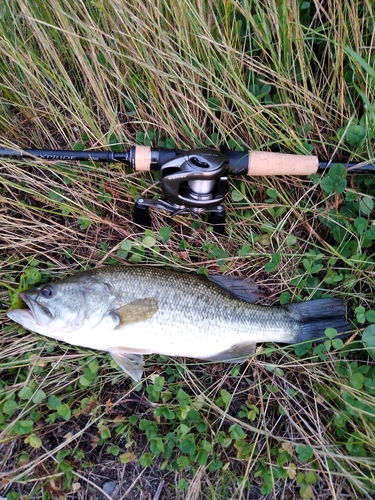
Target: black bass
x=132, y=311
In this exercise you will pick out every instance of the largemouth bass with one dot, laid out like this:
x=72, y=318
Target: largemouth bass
x=132, y=311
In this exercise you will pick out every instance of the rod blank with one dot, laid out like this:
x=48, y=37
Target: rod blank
x=144, y=158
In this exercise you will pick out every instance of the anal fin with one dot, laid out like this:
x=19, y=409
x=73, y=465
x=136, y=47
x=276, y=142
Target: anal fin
x=238, y=353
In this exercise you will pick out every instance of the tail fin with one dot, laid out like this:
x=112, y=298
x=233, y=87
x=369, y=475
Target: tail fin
x=315, y=316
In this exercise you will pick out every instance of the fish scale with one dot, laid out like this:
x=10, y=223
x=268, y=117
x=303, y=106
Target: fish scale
x=135, y=310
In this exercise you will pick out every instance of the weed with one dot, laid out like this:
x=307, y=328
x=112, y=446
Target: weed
x=287, y=76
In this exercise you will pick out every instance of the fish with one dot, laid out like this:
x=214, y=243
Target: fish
x=132, y=311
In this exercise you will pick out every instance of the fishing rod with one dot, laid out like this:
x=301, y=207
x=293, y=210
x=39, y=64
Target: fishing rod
x=193, y=181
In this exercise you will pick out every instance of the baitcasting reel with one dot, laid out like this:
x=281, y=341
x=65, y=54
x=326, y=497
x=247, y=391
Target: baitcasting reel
x=193, y=183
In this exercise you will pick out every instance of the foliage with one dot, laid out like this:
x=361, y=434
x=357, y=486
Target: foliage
x=294, y=77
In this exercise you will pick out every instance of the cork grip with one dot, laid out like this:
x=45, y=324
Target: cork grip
x=264, y=163
x=142, y=158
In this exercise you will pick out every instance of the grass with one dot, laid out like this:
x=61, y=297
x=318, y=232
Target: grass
x=296, y=77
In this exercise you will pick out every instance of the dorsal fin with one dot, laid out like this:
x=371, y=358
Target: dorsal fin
x=238, y=287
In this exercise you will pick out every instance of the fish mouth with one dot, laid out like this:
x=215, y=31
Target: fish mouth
x=28, y=310
x=34, y=311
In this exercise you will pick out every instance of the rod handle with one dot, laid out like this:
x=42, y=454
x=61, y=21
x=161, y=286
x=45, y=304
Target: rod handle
x=265, y=163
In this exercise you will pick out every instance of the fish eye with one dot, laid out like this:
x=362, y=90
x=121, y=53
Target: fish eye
x=47, y=291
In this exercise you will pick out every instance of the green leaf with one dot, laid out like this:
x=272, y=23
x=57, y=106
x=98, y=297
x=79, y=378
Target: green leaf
x=165, y=233
x=244, y=449
x=275, y=261
x=127, y=457
x=184, y=429
x=64, y=411
x=306, y=492
x=366, y=205
x=360, y=224
x=368, y=339
x=285, y=298
x=39, y=396
x=215, y=465
x=85, y=382
x=242, y=252
x=236, y=432
x=187, y=445
x=369, y=69
x=360, y=314
x=105, y=432
x=114, y=450
x=159, y=383
x=302, y=349
x=126, y=245
x=14, y=495
x=23, y=427
x=237, y=196
x=55, y=194
x=65, y=466
x=33, y=276
x=201, y=427
x=84, y=223
x=94, y=366
x=338, y=170
x=340, y=419
x=34, y=441
x=291, y=240
x=168, y=414
x=25, y=393
x=335, y=180
x=202, y=457
x=53, y=402
x=10, y=407
x=355, y=135
x=370, y=316
x=226, y=397
x=337, y=344
x=305, y=452
x=196, y=224
x=183, y=484
x=330, y=333
x=272, y=194
x=368, y=336
x=214, y=103
x=136, y=257
x=140, y=137
x=148, y=241
x=357, y=380
x=78, y=146
x=321, y=351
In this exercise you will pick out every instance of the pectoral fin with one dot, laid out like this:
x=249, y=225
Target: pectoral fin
x=130, y=362
x=138, y=310
x=238, y=353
